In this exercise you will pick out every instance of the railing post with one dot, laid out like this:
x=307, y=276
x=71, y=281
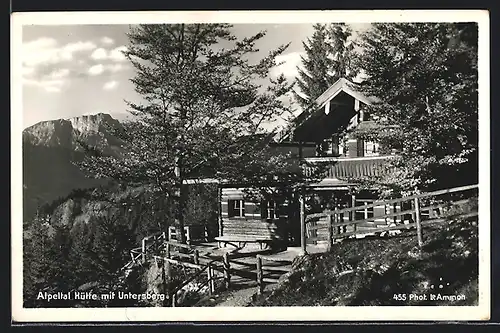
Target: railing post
x=227, y=274
x=170, y=233
x=352, y=213
x=143, y=250
x=354, y=225
x=168, y=280
x=302, y=222
x=210, y=280
x=167, y=250
x=188, y=234
x=260, y=276
x=174, y=299
x=334, y=228
x=342, y=219
x=395, y=210
x=337, y=219
x=413, y=216
x=196, y=257
x=219, y=217
x=417, y=221
x=330, y=232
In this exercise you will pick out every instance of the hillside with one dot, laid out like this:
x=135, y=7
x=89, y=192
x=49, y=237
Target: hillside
x=50, y=149
x=386, y=271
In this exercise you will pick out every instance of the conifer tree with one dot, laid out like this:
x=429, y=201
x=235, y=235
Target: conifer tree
x=424, y=76
x=327, y=58
x=111, y=245
x=46, y=265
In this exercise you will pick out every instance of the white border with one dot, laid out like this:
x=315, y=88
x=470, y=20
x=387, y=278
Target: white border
x=385, y=313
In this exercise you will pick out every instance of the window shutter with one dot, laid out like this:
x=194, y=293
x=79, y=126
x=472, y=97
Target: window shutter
x=360, y=149
x=263, y=209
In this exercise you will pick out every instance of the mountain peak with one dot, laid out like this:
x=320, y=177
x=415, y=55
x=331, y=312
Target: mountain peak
x=93, y=122
x=64, y=133
x=50, y=149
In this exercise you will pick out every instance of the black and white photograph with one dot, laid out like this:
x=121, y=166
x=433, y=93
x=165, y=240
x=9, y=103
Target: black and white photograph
x=325, y=164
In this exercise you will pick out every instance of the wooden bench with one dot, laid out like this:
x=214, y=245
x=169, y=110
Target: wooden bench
x=240, y=232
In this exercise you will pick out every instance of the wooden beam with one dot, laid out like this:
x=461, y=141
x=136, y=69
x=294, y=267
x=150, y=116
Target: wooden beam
x=330, y=232
x=260, y=276
x=196, y=257
x=227, y=273
x=210, y=281
x=352, y=214
x=302, y=222
x=418, y=223
x=219, y=197
x=143, y=249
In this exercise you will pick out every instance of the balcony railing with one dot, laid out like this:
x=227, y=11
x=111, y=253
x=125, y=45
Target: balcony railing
x=343, y=168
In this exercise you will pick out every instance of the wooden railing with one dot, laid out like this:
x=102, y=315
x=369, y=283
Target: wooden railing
x=156, y=247
x=209, y=268
x=262, y=277
x=425, y=204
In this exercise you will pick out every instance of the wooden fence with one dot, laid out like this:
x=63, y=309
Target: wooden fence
x=156, y=248
x=265, y=272
x=426, y=208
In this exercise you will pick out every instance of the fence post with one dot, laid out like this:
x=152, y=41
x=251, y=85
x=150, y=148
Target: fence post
x=330, y=232
x=337, y=219
x=187, y=229
x=413, y=216
x=168, y=277
x=352, y=215
x=302, y=223
x=219, y=216
x=210, y=282
x=395, y=210
x=260, y=276
x=170, y=233
x=227, y=274
x=342, y=219
x=417, y=221
x=174, y=299
x=196, y=257
x=334, y=228
x=143, y=250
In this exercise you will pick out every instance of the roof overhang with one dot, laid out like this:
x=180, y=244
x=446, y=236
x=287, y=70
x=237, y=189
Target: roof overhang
x=339, y=86
x=341, y=99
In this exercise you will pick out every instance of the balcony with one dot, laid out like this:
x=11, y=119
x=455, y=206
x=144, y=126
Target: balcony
x=344, y=168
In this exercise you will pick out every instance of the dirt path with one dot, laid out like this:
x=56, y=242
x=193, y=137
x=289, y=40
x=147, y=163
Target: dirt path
x=240, y=297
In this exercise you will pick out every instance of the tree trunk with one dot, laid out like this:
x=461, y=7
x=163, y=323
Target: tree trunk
x=179, y=218
x=180, y=197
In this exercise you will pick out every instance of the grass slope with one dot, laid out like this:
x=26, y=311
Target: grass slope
x=386, y=271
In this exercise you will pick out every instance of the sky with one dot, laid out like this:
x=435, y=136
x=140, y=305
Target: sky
x=74, y=70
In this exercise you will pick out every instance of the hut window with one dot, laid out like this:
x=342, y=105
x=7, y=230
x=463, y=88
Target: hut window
x=236, y=208
x=268, y=210
x=365, y=213
x=371, y=148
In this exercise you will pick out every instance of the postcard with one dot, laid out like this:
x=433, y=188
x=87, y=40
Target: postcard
x=324, y=164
